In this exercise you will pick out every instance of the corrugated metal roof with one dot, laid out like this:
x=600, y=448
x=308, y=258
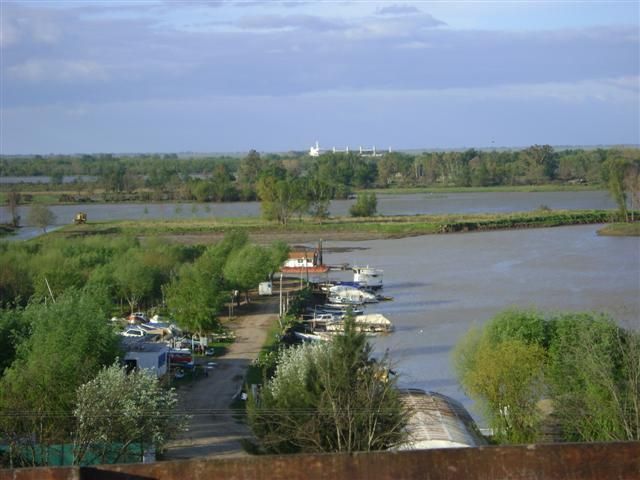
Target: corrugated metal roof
x=438, y=421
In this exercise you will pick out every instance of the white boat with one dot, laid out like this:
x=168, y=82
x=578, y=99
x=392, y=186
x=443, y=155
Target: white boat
x=338, y=311
x=353, y=293
x=312, y=337
x=369, y=323
x=368, y=277
x=344, y=301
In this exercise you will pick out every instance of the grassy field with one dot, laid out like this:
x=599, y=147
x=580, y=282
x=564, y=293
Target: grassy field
x=342, y=227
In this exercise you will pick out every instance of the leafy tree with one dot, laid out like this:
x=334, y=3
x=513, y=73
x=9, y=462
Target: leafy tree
x=365, y=206
x=540, y=163
x=13, y=329
x=41, y=216
x=194, y=299
x=117, y=409
x=329, y=398
x=594, y=378
x=71, y=340
x=247, y=267
x=507, y=379
x=616, y=168
x=134, y=279
x=281, y=198
x=249, y=171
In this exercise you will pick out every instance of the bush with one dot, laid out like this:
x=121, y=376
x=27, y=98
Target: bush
x=366, y=205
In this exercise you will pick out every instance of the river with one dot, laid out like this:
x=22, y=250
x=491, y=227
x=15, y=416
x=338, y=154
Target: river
x=406, y=204
x=444, y=284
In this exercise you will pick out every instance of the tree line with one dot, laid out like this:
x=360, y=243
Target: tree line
x=534, y=165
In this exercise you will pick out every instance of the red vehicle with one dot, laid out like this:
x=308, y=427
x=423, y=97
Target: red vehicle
x=180, y=356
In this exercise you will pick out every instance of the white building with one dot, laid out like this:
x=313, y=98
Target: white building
x=147, y=355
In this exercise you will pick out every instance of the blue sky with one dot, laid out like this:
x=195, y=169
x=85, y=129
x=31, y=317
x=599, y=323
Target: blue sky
x=221, y=76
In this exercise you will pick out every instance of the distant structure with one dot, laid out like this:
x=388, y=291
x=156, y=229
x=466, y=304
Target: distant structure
x=316, y=151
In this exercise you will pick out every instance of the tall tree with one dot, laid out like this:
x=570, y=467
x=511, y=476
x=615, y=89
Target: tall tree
x=329, y=398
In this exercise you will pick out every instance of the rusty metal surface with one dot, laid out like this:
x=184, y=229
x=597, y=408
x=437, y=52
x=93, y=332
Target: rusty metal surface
x=596, y=461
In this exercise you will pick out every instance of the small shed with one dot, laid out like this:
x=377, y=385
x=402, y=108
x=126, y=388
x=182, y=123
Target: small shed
x=147, y=355
x=438, y=421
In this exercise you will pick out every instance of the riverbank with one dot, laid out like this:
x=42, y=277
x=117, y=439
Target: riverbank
x=621, y=230
x=339, y=228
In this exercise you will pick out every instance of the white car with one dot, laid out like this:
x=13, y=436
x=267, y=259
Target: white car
x=133, y=332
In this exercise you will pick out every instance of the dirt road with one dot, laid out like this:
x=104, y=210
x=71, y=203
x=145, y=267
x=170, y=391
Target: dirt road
x=212, y=429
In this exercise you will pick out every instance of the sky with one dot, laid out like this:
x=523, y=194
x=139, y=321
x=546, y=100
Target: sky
x=229, y=76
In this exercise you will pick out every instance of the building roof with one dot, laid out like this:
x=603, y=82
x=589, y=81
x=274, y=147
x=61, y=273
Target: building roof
x=301, y=255
x=438, y=421
x=315, y=269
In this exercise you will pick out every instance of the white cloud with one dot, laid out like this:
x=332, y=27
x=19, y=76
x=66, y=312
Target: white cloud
x=39, y=70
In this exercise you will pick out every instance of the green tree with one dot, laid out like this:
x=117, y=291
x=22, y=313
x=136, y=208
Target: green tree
x=594, y=378
x=366, y=205
x=40, y=216
x=134, y=279
x=194, y=299
x=249, y=171
x=116, y=410
x=329, y=398
x=507, y=379
x=71, y=340
x=615, y=174
x=247, y=267
x=281, y=198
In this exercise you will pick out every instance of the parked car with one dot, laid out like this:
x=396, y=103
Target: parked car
x=133, y=332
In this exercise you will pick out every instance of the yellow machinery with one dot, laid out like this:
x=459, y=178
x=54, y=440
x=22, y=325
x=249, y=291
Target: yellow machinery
x=80, y=218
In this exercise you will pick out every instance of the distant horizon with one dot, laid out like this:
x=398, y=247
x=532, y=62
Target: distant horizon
x=284, y=152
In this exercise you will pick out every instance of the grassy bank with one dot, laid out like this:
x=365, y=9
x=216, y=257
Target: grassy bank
x=621, y=230
x=343, y=227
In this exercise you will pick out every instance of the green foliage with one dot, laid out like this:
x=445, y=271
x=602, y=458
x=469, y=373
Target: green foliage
x=583, y=362
x=117, y=409
x=248, y=266
x=366, y=205
x=282, y=198
x=615, y=175
x=13, y=330
x=507, y=377
x=329, y=398
x=71, y=340
x=594, y=377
